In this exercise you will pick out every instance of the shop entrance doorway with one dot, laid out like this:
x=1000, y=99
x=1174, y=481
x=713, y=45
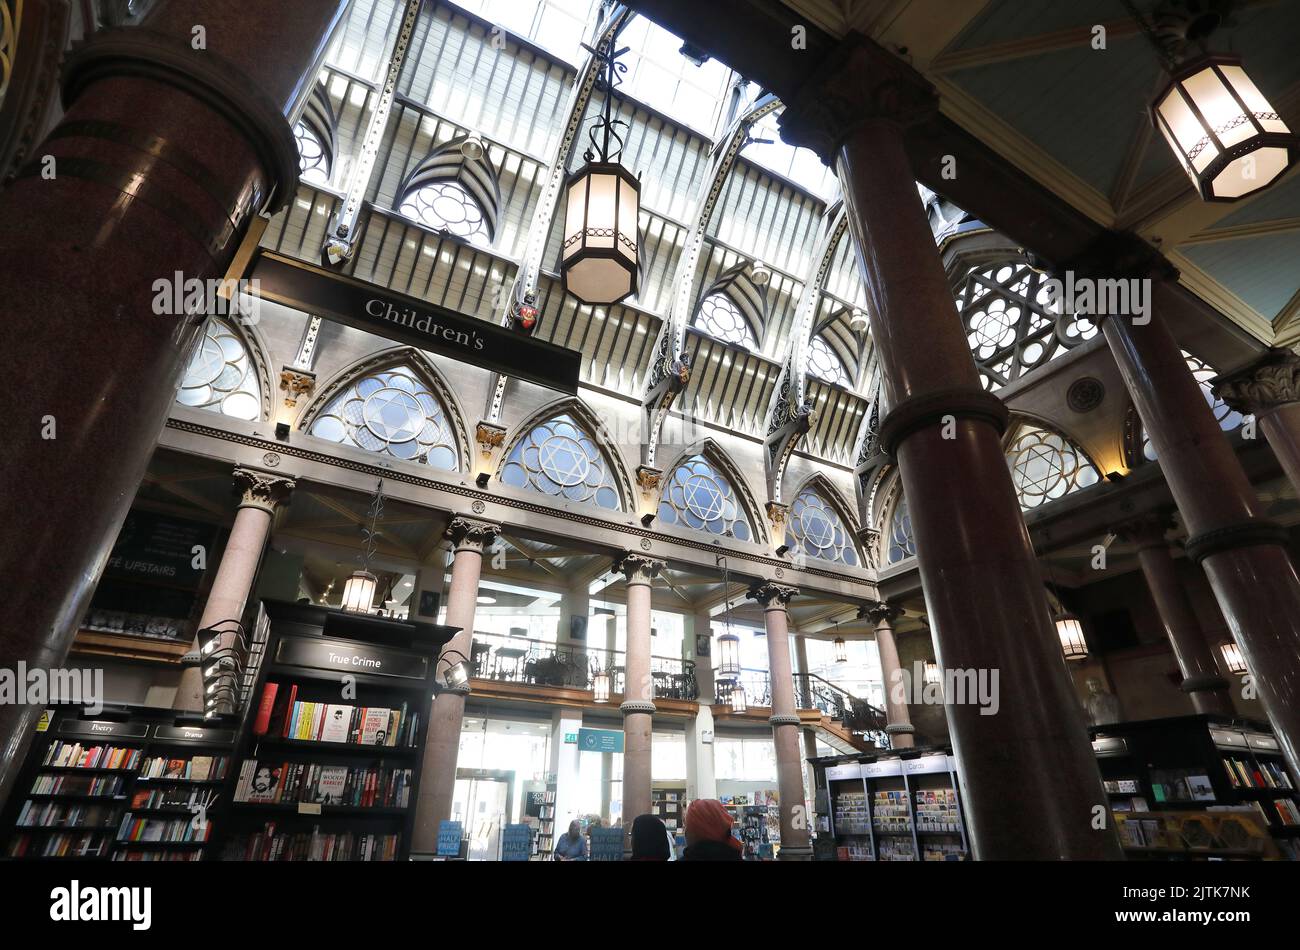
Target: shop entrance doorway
x=483, y=801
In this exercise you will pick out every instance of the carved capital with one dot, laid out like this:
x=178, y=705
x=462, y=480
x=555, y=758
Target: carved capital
x=859, y=81
x=771, y=594
x=639, y=568
x=1265, y=385
x=263, y=490
x=489, y=436
x=870, y=539
x=296, y=383
x=777, y=514
x=880, y=613
x=1147, y=531
x=470, y=534
x=648, y=478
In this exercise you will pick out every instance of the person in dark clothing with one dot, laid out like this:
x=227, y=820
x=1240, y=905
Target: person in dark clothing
x=708, y=833
x=649, y=839
x=572, y=845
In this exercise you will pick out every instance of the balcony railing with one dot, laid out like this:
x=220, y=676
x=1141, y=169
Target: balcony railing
x=508, y=659
x=856, y=715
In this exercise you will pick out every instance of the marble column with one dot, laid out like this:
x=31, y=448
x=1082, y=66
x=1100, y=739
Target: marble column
x=795, y=833
x=638, y=706
x=163, y=156
x=1201, y=679
x=982, y=583
x=1243, y=554
x=262, y=493
x=1269, y=389
x=899, y=720
x=803, y=699
x=469, y=538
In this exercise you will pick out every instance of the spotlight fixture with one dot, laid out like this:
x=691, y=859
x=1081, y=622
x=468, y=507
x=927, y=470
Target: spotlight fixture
x=760, y=274
x=282, y=431
x=782, y=550
x=472, y=147
x=482, y=480
x=1232, y=658
x=456, y=676
x=858, y=321
x=647, y=519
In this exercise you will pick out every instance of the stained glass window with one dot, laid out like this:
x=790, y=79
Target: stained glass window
x=902, y=544
x=815, y=528
x=720, y=317
x=1229, y=419
x=1046, y=466
x=221, y=375
x=698, y=496
x=560, y=458
x=313, y=163
x=825, y=364
x=393, y=412
x=447, y=206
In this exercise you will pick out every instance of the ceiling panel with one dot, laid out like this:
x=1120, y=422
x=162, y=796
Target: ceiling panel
x=1261, y=271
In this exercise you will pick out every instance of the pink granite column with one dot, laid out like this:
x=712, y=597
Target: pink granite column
x=899, y=726
x=638, y=706
x=262, y=494
x=163, y=156
x=1269, y=389
x=1242, y=553
x=796, y=844
x=469, y=539
x=983, y=588
x=1201, y=678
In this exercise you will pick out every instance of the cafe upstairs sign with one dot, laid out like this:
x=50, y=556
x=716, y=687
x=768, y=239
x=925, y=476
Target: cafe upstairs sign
x=419, y=323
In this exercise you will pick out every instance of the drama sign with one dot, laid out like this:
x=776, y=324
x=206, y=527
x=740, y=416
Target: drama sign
x=419, y=323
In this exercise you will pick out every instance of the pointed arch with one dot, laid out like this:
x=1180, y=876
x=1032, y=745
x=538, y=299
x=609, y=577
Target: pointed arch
x=1046, y=464
x=455, y=189
x=820, y=523
x=895, y=537
x=372, y=406
x=734, y=308
x=317, y=136
x=228, y=372
x=565, y=450
x=705, y=491
x=843, y=344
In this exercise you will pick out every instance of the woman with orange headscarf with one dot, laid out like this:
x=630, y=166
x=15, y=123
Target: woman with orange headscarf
x=708, y=833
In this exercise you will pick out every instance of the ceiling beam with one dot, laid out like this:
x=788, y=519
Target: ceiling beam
x=1072, y=38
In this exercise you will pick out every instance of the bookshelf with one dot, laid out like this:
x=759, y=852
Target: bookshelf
x=541, y=805
x=329, y=757
x=1212, y=764
x=142, y=785
x=669, y=804
x=891, y=807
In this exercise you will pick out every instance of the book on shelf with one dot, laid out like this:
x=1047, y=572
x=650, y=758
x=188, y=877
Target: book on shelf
x=1287, y=812
x=199, y=768
x=170, y=797
x=74, y=755
x=1261, y=775
x=54, y=815
x=59, y=845
x=280, y=713
x=86, y=786
x=163, y=830
x=164, y=854
x=270, y=845
x=269, y=783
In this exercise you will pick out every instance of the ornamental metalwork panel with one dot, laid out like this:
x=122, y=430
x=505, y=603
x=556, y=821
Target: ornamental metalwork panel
x=720, y=318
x=825, y=364
x=698, y=496
x=447, y=206
x=816, y=529
x=221, y=375
x=1046, y=466
x=559, y=457
x=393, y=413
x=902, y=542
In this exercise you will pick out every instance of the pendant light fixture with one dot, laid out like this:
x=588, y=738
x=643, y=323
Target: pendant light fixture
x=737, y=698
x=1232, y=658
x=931, y=673
x=359, y=591
x=841, y=648
x=1229, y=139
x=603, y=199
x=1070, y=632
x=600, y=687
x=728, y=666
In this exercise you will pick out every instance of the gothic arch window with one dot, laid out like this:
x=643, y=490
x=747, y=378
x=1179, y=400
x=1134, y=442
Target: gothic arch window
x=1228, y=418
x=826, y=365
x=734, y=308
x=1046, y=466
x=901, y=542
x=814, y=527
x=454, y=192
x=560, y=457
x=719, y=316
x=222, y=375
x=316, y=138
x=1010, y=329
x=392, y=412
x=698, y=495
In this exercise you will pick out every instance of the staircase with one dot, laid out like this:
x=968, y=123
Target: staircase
x=848, y=724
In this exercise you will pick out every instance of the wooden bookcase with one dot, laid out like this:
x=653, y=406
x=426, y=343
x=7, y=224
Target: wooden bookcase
x=336, y=658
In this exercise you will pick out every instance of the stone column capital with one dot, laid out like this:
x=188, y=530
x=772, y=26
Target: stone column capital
x=879, y=612
x=1266, y=384
x=470, y=534
x=1146, y=531
x=639, y=568
x=264, y=490
x=296, y=383
x=859, y=81
x=771, y=595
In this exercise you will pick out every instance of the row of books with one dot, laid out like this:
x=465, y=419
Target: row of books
x=89, y=786
x=267, y=845
x=54, y=815
x=134, y=828
x=60, y=845
x=74, y=755
x=189, y=854
x=271, y=783
x=1264, y=774
x=1287, y=811
x=200, y=768
x=171, y=796
x=280, y=713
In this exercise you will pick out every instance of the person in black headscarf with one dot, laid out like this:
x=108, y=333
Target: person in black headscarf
x=649, y=839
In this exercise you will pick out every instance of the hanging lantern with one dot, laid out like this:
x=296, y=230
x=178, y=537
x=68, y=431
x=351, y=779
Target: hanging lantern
x=728, y=656
x=841, y=650
x=931, y=674
x=1224, y=133
x=603, y=206
x=737, y=698
x=600, y=688
x=359, y=592
x=1070, y=632
x=1232, y=658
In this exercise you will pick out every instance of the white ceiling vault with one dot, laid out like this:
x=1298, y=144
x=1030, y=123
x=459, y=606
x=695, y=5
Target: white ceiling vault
x=1024, y=78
